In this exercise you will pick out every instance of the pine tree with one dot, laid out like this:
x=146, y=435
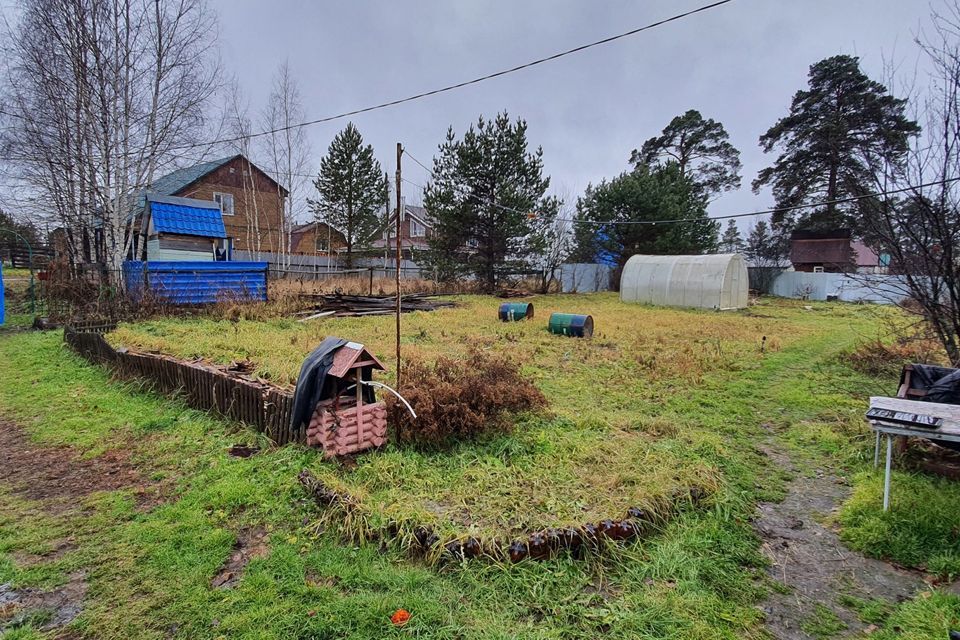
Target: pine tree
x=701, y=149
x=839, y=132
x=352, y=189
x=765, y=250
x=644, y=194
x=731, y=242
x=487, y=199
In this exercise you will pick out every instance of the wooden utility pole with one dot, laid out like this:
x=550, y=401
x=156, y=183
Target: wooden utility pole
x=399, y=257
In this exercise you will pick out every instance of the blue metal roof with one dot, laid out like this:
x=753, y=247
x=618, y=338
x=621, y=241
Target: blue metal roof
x=186, y=216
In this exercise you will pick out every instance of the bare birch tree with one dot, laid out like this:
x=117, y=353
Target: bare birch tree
x=239, y=127
x=920, y=228
x=288, y=151
x=100, y=95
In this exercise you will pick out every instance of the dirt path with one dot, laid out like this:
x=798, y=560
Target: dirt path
x=57, y=479
x=817, y=569
x=58, y=476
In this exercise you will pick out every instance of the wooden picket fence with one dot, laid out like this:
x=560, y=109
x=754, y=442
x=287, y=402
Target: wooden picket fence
x=202, y=386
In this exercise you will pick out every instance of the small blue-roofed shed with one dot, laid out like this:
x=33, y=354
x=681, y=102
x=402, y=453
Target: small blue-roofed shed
x=183, y=229
x=182, y=265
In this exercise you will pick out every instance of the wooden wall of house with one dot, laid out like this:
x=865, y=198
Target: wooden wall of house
x=252, y=192
x=305, y=240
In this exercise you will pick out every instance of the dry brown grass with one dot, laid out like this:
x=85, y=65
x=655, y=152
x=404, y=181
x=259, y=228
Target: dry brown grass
x=457, y=400
x=359, y=285
x=886, y=359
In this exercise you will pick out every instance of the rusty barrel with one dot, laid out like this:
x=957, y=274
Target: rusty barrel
x=510, y=311
x=571, y=324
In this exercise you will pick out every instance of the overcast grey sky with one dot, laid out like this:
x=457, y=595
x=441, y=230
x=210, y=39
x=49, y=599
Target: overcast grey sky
x=739, y=64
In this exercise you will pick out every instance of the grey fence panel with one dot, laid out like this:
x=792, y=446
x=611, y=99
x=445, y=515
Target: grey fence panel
x=584, y=277
x=859, y=287
x=293, y=260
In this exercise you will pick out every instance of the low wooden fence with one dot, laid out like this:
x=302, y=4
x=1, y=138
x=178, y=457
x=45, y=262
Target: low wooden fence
x=202, y=386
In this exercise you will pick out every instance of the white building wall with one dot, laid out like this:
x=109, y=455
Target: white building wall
x=155, y=253
x=881, y=289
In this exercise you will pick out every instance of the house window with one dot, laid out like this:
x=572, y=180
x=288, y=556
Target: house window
x=321, y=244
x=225, y=200
x=818, y=269
x=417, y=230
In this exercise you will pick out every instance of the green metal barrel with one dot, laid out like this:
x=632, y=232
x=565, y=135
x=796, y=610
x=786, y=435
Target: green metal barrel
x=511, y=311
x=571, y=324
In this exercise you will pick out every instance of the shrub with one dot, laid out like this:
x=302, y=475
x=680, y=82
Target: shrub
x=457, y=400
x=880, y=359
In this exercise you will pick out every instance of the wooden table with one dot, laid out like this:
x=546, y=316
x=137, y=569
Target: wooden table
x=949, y=431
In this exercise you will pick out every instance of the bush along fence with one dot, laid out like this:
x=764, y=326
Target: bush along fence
x=583, y=541
x=203, y=386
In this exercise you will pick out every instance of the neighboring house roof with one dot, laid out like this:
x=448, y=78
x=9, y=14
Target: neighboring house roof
x=186, y=216
x=827, y=251
x=411, y=212
x=180, y=179
x=307, y=226
x=836, y=247
x=420, y=213
x=865, y=256
x=300, y=231
x=176, y=181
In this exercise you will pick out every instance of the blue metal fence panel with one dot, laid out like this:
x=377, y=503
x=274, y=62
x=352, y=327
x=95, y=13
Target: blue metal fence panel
x=198, y=282
x=133, y=276
x=1, y=294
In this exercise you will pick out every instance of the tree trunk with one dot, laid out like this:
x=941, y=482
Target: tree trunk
x=832, y=191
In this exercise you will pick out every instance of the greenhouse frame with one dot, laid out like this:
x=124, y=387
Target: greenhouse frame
x=717, y=281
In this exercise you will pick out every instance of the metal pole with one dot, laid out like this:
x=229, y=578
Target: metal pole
x=886, y=477
x=876, y=451
x=399, y=259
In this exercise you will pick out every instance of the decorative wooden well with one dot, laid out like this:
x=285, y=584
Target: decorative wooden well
x=350, y=420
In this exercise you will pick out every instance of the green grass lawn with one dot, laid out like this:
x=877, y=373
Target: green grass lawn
x=659, y=399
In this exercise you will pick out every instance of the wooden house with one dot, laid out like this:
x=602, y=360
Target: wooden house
x=251, y=203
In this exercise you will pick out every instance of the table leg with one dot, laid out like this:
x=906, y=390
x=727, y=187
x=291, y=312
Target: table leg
x=886, y=477
x=876, y=451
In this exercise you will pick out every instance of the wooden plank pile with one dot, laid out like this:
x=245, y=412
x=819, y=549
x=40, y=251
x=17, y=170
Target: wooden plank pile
x=340, y=305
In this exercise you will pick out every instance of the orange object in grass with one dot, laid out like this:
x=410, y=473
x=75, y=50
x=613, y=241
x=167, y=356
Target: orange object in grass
x=400, y=617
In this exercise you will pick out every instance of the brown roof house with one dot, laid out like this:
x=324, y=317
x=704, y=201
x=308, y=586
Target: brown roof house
x=250, y=201
x=834, y=251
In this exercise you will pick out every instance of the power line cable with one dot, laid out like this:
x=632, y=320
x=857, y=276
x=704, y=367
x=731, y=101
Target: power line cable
x=725, y=217
x=465, y=83
x=484, y=78
x=775, y=209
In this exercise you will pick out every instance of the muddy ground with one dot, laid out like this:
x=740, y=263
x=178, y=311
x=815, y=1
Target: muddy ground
x=56, y=479
x=809, y=561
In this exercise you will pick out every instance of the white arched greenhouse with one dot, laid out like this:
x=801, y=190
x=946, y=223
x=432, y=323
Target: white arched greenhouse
x=702, y=282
